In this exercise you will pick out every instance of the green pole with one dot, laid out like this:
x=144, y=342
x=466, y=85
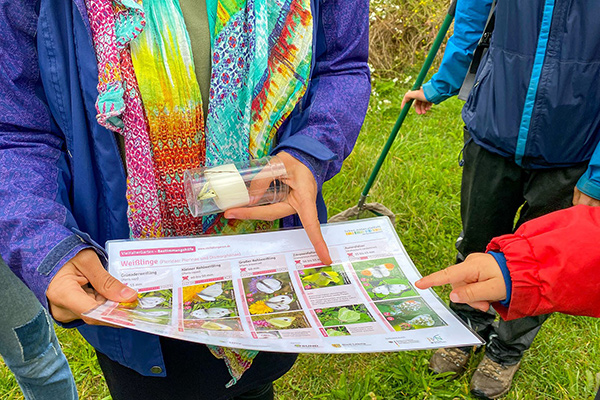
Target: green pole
x=420, y=78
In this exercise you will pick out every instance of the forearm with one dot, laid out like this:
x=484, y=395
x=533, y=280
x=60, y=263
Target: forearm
x=322, y=130
x=37, y=231
x=553, y=262
x=469, y=23
x=36, y=235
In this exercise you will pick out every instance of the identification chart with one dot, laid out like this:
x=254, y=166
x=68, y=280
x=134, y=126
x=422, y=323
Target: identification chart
x=269, y=291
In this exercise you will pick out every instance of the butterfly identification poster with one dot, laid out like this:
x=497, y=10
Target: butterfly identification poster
x=269, y=291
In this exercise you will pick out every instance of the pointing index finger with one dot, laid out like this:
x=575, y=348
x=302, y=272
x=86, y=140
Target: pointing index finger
x=452, y=274
x=307, y=212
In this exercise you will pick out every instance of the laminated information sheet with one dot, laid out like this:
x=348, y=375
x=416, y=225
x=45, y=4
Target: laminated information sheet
x=269, y=291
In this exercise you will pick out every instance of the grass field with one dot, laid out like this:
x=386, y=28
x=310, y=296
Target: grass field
x=420, y=182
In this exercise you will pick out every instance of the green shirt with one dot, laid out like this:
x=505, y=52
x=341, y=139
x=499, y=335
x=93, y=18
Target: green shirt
x=196, y=20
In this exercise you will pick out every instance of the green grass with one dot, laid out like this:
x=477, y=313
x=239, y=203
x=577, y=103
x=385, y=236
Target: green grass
x=420, y=182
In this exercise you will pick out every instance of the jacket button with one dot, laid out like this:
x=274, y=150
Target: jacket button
x=156, y=369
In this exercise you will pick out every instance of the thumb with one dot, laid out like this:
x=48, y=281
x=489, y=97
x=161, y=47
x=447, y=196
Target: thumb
x=111, y=288
x=409, y=96
x=486, y=291
x=576, y=195
x=104, y=283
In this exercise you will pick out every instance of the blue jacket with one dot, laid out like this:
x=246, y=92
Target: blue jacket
x=536, y=97
x=62, y=183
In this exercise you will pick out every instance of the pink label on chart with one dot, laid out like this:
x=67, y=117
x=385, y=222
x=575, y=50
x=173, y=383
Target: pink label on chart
x=314, y=314
x=180, y=310
x=148, y=289
x=118, y=321
x=243, y=294
x=220, y=278
x=164, y=250
x=314, y=265
x=270, y=271
x=109, y=310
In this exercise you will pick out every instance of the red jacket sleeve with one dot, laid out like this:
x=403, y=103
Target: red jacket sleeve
x=554, y=264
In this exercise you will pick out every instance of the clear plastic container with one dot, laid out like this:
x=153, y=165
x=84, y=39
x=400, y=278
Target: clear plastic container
x=211, y=190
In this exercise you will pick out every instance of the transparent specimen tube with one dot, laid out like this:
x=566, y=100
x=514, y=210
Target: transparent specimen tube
x=211, y=190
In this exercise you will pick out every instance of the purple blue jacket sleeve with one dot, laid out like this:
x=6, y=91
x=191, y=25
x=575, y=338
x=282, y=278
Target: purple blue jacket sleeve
x=322, y=129
x=36, y=225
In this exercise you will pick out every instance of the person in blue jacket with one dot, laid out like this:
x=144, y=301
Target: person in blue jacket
x=532, y=127
x=63, y=184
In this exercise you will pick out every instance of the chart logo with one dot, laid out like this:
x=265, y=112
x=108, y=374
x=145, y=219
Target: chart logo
x=436, y=339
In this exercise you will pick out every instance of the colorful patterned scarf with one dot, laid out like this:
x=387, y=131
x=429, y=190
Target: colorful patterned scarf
x=148, y=92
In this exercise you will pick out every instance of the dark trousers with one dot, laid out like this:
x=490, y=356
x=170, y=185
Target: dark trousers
x=193, y=373
x=494, y=192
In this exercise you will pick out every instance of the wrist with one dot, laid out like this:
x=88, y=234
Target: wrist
x=501, y=260
x=315, y=166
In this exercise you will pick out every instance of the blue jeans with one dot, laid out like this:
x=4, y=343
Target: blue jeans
x=29, y=345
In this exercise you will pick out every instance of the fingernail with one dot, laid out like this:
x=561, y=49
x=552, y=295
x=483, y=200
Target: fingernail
x=128, y=292
x=454, y=298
